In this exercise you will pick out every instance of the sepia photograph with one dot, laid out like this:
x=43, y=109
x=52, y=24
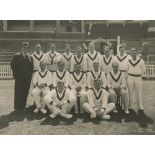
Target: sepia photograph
x=77, y=77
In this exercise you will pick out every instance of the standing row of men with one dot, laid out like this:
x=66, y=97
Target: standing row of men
x=91, y=75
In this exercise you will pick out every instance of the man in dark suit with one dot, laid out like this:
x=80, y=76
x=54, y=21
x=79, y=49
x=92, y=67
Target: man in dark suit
x=22, y=68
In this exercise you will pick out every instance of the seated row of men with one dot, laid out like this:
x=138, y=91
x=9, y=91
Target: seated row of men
x=60, y=90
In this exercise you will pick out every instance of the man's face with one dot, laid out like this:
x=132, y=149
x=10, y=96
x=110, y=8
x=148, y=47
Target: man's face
x=115, y=68
x=38, y=48
x=78, y=51
x=106, y=50
x=60, y=87
x=134, y=54
x=25, y=50
x=61, y=66
x=97, y=84
x=42, y=66
x=111, y=52
x=121, y=50
x=96, y=67
x=77, y=68
x=67, y=48
x=52, y=47
x=91, y=47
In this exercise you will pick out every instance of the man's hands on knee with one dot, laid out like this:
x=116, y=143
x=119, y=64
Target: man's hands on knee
x=42, y=85
x=117, y=90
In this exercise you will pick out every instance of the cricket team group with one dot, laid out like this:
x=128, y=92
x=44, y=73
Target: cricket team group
x=86, y=83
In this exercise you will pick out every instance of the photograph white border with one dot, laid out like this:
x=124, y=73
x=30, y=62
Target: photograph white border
x=77, y=10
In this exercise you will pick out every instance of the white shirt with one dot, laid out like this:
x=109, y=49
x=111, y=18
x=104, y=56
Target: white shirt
x=92, y=57
x=61, y=76
x=77, y=80
x=60, y=98
x=107, y=63
x=36, y=60
x=136, y=67
x=42, y=77
x=97, y=98
x=82, y=61
x=116, y=80
x=91, y=76
x=67, y=60
x=123, y=61
x=52, y=60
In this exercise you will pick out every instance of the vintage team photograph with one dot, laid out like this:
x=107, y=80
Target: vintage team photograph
x=77, y=77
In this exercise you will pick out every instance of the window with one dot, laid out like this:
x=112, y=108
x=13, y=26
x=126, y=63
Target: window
x=18, y=25
x=45, y=25
x=70, y=26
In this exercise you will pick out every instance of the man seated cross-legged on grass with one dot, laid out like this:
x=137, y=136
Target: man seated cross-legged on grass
x=97, y=105
x=60, y=101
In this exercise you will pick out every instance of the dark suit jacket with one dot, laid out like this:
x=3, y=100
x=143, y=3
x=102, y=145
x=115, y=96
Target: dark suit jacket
x=22, y=67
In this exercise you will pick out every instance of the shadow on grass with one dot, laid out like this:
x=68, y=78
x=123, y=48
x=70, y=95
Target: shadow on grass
x=58, y=121
x=19, y=116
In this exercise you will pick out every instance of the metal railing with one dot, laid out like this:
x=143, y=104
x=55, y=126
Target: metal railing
x=6, y=72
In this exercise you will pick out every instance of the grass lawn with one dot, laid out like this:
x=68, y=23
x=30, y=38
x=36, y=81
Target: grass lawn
x=37, y=124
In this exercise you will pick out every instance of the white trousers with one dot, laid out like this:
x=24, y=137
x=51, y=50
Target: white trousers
x=87, y=108
x=124, y=96
x=135, y=90
x=65, y=107
x=80, y=94
x=38, y=96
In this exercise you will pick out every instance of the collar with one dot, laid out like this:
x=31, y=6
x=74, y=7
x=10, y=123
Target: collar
x=67, y=56
x=59, y=94
x=43, y=74
x=134, y=62
x=80, y=76
x=94, y=74
x=107, y=60
x=92, y=56
x=78, y=60
x=38, y=57
x=59, y=76
x=115, y=77
x=52, y=55
x=121, y=58
x=97, y=93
